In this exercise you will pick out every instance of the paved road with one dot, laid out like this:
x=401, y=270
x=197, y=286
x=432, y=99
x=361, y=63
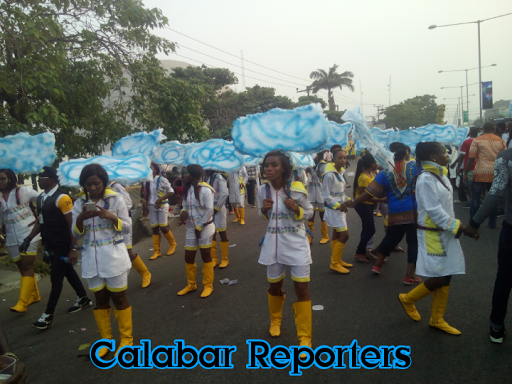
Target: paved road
x=358, y=306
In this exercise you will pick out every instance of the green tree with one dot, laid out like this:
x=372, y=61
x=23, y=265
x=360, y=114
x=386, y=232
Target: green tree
x=415, y=112
x=61, y=62
x=329, y=81
x=305, y=100
x=335, y=116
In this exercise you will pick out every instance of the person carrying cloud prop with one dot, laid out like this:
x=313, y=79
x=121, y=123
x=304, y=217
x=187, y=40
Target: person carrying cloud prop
x=219, y=183
x=303, y=129
x=26, y=154
x=197, y=214
x=314, y=188
x=237, y=183
x=285, y=205
x=141, y=143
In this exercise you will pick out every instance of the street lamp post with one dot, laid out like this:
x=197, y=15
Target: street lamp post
x=478, y=22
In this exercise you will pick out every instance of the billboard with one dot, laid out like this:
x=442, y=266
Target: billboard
x=486, y=94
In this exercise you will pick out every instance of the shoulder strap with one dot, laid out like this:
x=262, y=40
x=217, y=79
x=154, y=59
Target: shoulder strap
x=158, y=181
x=267, y=190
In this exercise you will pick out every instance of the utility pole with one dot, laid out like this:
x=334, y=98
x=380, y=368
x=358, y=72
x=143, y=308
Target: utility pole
x=378, y=111
x=308, y=89
x=243, y=70
x=361, y=90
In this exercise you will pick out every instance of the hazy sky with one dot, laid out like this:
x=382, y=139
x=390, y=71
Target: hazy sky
x=375, y=39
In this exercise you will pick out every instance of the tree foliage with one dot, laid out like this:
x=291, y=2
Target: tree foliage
x=330, y=80
x=313, y=99
x=415, y=112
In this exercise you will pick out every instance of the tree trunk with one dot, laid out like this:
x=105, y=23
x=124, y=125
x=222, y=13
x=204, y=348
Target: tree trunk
x=332, y=105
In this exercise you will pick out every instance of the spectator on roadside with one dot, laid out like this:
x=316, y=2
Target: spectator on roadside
x=461, y=164
x=501, y=130
x=252, y=182
x=484, y=150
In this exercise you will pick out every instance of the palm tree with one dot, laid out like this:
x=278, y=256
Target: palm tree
x=331, y=80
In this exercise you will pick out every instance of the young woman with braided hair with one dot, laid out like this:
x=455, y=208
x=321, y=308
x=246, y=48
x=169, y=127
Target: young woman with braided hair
x=286, y=206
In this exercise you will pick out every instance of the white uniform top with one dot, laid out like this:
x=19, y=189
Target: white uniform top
x=301, y=173
x=439, y=253
x=333, y=192
x=315, y=187
x=104, y=254
x=236, y=194
x=220, y=185
x=164, y=187
x=121, y=190
x=17, y=219
x=286, y=241
x=199, y=212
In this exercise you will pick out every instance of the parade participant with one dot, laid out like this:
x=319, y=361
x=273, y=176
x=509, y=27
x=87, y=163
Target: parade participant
x=366, y=167
x=316, y=199
x=17, y=218
x=252, y=184
x=54, y=224
x=137, y=262
x=237, y=183
x=197, y=213
x=100, y=218
x=439, y=252
x=333, y=192
x=220, y=185
x=395, y=185
x=285, y=205
x=155, y=199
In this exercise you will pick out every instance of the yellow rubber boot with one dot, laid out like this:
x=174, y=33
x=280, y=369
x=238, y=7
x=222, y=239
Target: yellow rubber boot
x=275, y=307
x=336, y=258
x=207, y=279
x=35, y=297
x=237, y=213
x=172, y=243
x=242, y=216
x=124, y=322
x=333, y=242
x=191, y=279
x=325, y=233
x=213, y=253
x=303, y=322
x=102, y=317
x=408, y=300
x=156, y=247
x=26, y=292
x=340, y=249
x=140, y=267
x=311, y=227
x=224, y=248
x=438, y=309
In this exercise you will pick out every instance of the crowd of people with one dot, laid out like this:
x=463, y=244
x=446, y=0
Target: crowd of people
x=415, y=196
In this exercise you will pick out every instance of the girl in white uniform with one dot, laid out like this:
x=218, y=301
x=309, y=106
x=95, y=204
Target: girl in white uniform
x=220, y=185
x=439, y=252
x=285, y=243
x=315, y=197
x=237, y=183
x=17, y=219
x=156, y=194
x=333, y=192
x=197, y=213
x=137, y=262
x=100, y=219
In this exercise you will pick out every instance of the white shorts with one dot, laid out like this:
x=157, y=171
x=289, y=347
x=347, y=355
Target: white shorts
x=319, y=206
x=336, y=219
x=191, y=242
x=221, y=220
x=113, y=284
x=14, y=250
x=300, y=273
x=159, y=218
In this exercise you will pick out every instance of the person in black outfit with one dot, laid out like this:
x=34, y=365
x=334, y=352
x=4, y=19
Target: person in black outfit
x=54, y=224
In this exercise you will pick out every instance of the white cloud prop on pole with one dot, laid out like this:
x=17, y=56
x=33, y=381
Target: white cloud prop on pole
x=216, y=154
x=141, y=143
x=27, y=154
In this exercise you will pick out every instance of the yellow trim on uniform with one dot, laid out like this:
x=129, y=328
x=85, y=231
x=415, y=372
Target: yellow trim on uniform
x=341, y=229
x=277, y=280
x=301, y=279
x=128, y=247
x=205, y=246
x=77, y=231
x=155, y=225
x=321, y=210
x=189, y=248
x=98, y=288
x=28, y=254
x=218, y=209
x=432, y=238
x=17, y=258
x=162, y=225
x=204, y=184
x=221, y=229
x=301, y=214
x=117, y=289
x=336, y=205
x=298, y=186
x=119, y=226
x=183, y=210
x=457, y=226
x=199, y=228
x=331, y=168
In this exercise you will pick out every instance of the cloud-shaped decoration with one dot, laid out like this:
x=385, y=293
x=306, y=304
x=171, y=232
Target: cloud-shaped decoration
x=216, y=154
x=364, y=137
x=27, y=154
x=303, y=129
x=338, y=134
x=445, y=134
x=171, y=152
x=462, y=134
x=300, y=161
x=128, y=171
x=252, y=161
x=141, y=143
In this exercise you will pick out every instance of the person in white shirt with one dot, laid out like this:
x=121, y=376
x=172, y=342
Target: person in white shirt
x=237, y=183
x=220, y=185
x=17, y=219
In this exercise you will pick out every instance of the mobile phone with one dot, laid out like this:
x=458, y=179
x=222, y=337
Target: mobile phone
x=90, y=206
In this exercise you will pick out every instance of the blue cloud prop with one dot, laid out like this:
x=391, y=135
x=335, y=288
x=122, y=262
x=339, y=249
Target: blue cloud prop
x=141, y=143
x=300, y=161
x=216, y=154
x=462, y=134
x=303, y=129
x=338, y=134
x=252, y=161
x=127, y=171
x=27, y=154
x=171, y=152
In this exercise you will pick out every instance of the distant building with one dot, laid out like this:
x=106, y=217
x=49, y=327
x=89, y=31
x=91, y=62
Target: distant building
x=500, y=110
